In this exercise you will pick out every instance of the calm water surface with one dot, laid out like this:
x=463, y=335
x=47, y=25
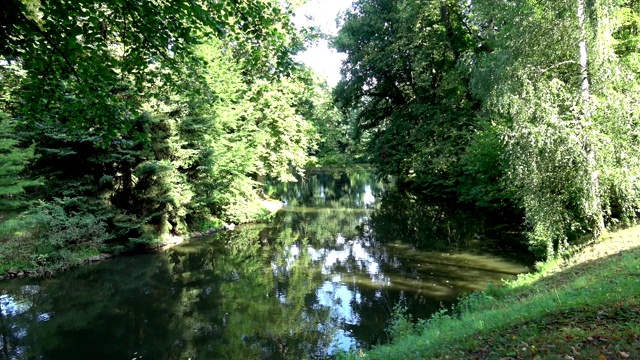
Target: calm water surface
x=323, y=276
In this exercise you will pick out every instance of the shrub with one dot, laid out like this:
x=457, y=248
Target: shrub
x=401, y=322
x=47, y=238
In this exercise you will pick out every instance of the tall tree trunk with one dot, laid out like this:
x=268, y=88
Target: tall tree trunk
x=445, y=17
x=584, y=55
x=127, y=187
x=594, y=210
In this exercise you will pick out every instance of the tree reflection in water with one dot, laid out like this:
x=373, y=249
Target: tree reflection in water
x=323, y=276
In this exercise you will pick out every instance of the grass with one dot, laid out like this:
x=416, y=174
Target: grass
x=585, y=306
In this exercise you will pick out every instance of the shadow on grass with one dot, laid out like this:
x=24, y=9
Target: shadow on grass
x=601, y=325
x=606, y=266
x=606, y=332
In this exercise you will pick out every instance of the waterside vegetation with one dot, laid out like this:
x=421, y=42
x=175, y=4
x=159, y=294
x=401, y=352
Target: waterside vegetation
x=528, y=107
x=582, y=306
x=124, y=124
x=114, y=121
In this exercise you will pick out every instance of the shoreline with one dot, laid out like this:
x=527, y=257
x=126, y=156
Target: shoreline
x=585, y=305
x=169, y=241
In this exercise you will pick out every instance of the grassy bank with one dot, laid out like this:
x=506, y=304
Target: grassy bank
x=583, y=307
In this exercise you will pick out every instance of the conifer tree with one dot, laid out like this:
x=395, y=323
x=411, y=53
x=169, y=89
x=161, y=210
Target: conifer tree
x=12, y=162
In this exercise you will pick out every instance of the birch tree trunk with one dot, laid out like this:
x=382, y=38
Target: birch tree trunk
x=594, y=207
x=584, y=55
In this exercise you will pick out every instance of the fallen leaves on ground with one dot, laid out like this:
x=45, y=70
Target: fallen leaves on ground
x=578, y=334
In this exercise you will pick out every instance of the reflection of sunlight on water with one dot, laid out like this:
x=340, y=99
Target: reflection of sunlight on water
x=334, y=294
x=352, y=265
x=339, y=299
x=15, y=306
x=12, y=307
x=354, y=250
x=368, y=199
x=294, y=252
x=335, y=275
x=342, y=341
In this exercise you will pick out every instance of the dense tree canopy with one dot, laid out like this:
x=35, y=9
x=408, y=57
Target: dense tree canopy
x=528, y=105
x=111, y=56
x=412, y=102
x=151, y=119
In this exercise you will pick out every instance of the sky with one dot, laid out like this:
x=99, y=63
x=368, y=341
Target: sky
x=324, y=60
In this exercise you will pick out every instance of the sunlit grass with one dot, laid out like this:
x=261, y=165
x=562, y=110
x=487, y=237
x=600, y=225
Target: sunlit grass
x=582, y=306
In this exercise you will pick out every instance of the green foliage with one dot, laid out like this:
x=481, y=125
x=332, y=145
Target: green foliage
x=155, y=126
x=626, y=27
x=483, y=167
x=281, y=137
x=48, y=238
x=401, y=322
x=529, y=106
x=56, y=229
x=12, y=162
x=558, y=146
x=111, y=55
x=334, y=144
x=240, y=135
x=412, y=105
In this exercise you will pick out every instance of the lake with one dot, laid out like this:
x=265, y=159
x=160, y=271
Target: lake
x=322, y=276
